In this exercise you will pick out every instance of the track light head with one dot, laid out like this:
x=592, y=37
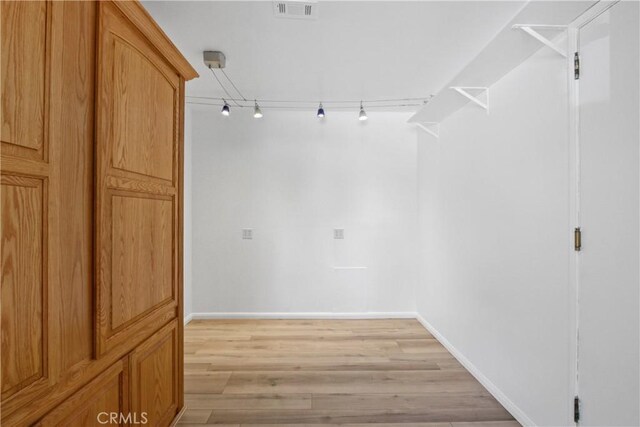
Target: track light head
x=363, y=114
x=320, y=111
x=257, y=113
x=225, y=109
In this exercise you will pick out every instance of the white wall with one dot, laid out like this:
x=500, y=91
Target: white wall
x=187, y=224
x=493, y=214
x=292, y=179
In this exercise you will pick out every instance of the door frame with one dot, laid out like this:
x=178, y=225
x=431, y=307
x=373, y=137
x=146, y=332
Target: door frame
x=573, y=46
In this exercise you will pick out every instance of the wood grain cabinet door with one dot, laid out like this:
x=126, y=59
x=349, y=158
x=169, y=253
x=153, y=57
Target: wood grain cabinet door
x=25, y=37
x=155, y=377
x=138, y=157
x=24, y=356
x=24, y=195
x=104, y=401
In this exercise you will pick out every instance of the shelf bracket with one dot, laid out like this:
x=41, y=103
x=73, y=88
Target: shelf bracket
x=432, y=128
x=532, y=31
x=464, y=91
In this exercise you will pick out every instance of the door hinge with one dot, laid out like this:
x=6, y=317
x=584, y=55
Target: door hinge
x=577, y=239
x=576, y=66
x=576, y=409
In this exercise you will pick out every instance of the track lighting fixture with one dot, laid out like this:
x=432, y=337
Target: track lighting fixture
x=363, y=114
x=215, y=61
x=256, y=110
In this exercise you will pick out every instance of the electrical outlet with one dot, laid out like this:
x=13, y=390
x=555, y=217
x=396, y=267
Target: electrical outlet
x=338, y=233
x=247, y=233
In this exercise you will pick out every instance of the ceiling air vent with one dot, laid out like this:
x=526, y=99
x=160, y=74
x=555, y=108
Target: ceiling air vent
x=296, y=9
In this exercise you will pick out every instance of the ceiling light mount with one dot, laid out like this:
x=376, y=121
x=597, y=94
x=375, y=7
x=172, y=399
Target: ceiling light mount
x=214, y=59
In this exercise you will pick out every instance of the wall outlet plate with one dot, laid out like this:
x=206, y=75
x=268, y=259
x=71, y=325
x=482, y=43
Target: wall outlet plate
x=338, y=233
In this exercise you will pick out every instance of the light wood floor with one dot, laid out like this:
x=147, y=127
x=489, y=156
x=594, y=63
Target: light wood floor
x=388, y=372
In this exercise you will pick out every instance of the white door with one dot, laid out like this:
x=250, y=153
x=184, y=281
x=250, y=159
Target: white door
x=608, y=289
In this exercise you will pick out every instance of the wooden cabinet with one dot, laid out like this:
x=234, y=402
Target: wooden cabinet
x=91, y=130
x=153, y=394
x=94, y=404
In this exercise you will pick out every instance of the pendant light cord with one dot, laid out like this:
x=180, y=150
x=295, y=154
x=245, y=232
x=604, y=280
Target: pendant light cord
x=234, y=86
x=224, y=88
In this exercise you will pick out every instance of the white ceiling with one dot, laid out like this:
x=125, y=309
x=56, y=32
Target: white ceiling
x=354, y=50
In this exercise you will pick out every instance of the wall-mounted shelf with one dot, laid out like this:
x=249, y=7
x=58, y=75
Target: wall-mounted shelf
x=481, y=98
x=538, y=25
x=431, y=128
x=535, y=31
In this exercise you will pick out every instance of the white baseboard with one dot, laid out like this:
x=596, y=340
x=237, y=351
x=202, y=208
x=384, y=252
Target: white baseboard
x=188, y=318
x=305, y=315
x=517, y=413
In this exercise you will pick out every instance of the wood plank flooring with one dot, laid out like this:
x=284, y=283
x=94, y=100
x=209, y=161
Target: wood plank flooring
x=352, y=373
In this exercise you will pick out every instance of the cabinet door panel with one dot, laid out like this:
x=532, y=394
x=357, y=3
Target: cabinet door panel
x=24, y=46
x=155, y=376
x=94, y=403
x=143, y=139
x=141, y=92
x=23, y=283
x=141, y=250
x=137, y=183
